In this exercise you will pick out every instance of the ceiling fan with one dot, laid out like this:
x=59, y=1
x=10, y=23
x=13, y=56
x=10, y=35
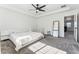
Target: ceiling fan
x=38, y=7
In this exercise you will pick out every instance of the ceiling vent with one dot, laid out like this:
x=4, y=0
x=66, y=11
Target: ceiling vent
x=63, y=6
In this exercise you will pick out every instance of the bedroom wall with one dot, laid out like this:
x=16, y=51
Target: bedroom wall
x=46, y=22
x=14, y=21
x=18, y=22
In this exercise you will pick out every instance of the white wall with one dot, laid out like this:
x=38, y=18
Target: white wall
x=14, y=21
x=46, y=22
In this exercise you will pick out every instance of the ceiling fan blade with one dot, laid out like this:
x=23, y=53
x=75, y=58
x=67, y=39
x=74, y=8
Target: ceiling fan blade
x=42, y=6
x=42, y=10
x=34, y=6
x=32, y=9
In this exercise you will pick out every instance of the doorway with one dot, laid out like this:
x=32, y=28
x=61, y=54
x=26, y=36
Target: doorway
x=69, y=27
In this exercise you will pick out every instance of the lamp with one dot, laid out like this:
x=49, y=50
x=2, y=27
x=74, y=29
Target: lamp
x=37, y=11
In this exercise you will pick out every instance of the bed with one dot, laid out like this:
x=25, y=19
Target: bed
x=23, y=39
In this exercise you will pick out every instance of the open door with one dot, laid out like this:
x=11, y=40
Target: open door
x=69, y=27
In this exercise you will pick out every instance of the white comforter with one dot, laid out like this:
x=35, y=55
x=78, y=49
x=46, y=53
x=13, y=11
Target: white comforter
x=23, y=39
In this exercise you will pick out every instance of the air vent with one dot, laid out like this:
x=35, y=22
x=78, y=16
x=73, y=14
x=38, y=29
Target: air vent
x=63, y=6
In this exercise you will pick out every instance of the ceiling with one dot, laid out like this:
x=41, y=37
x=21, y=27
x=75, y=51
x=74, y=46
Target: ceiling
x=29, y=9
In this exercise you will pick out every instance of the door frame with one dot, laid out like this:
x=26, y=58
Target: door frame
x=75, y=25
x=58, y=26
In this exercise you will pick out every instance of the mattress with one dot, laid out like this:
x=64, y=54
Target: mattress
x=23, y=39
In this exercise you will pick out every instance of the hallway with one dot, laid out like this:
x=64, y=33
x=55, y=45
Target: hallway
x=69, y=36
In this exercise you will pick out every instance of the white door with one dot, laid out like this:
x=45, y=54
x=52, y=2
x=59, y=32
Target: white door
x=75, y=27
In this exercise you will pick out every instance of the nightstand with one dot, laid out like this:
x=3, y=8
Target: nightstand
x=4, y=37
x=47, y=35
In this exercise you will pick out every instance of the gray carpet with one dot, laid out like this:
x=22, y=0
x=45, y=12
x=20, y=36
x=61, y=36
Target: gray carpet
x=68, y=45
